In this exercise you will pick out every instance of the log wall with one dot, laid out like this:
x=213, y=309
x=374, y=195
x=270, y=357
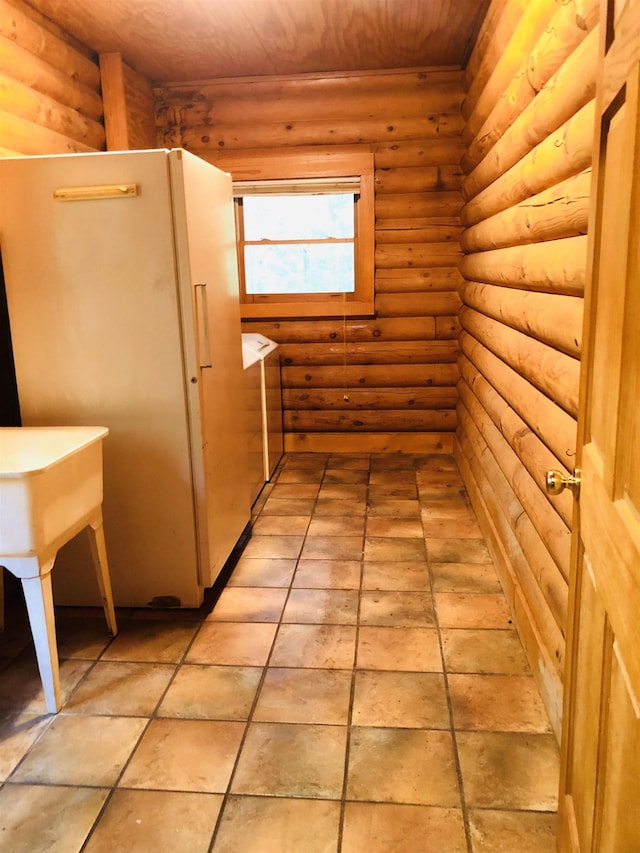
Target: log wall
x=528, y=138
x=50, y=100
x=397, y=370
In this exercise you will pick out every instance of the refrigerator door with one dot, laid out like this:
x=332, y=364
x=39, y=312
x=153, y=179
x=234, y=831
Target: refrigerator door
x=208, y=284
x=96, y=324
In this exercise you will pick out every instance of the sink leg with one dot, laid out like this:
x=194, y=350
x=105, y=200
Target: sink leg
x=39, y=599
x=99, y=554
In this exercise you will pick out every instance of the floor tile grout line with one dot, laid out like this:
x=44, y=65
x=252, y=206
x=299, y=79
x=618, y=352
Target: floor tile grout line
x=228, y=792
x=454, y=740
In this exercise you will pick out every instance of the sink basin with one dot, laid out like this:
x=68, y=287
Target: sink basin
x=50, y=481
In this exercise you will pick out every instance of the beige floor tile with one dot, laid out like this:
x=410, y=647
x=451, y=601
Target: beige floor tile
x=150, y=821
x=327, y=574
x=509, y=770
x=185, y=755
x=274, y=547
x=392, y=461
x=310, y=646
x=212, y=692
x=383, y=526
x=278, y=825
x=387, y=828
x=385, y=477
x=406, y=491
x=404, y=649
x=350, y=507
x=379, y=549
x=402, y=766
x=21, y=687
x=506, y=832
x=342, y=492
x=458, y=551
x=81, y=751
x=322, y=607
x=393, y=508
x=304, y=460
x=499, y=703
x=346, y=475
x=472, y=610
x=249, y=604
x=280, y=759
x=304, y=696
x=483, y=651
x=300, y=475
x=414, y=700
x=450, y=528
x=357, y=461
x=17, y=734
x=294, y=491
x=440, y=491
x=279, y=525
x=332, y=548
x=235, y=644
x=453, y=507
x=151, y=640
x=464, y=577
x=47, y=818
x=260, y=571
x=288, y=506
x=396, y=575
x=121, y=688
x=331, y=525
x=81, y=637
x=397, y=609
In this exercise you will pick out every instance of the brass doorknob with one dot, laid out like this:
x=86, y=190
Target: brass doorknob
x=556, y=482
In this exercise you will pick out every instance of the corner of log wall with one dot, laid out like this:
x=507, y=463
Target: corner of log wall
x=527, y=161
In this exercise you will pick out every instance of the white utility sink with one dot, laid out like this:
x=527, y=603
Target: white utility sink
x=50, y=489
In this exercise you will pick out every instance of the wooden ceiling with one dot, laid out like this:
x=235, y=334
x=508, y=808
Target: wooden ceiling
x=178, y=40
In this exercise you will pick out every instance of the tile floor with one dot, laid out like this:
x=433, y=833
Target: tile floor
x=358, y=686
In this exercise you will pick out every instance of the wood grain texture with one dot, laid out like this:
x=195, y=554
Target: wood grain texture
x=181, y=40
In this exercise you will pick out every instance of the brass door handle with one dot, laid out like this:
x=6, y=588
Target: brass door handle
x=556, y=482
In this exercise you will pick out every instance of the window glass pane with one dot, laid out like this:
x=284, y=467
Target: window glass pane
x=301, y=268
x=298, y=217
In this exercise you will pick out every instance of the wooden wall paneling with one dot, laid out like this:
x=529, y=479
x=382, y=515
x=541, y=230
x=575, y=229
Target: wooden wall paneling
x=560, y=211
x=546, y=668
x=361, y=442
x=415, y=280
x=555, y=427
x=508, y=508
x=554, y=266
x=21, y=24
x=49, y=87
x=384, y=352
x=551, y=318
x=501, y=20
x=564, y=153
x=531, y=24
x=547, y=550
x=563, y=36
x=535, y=455
x=529, y=150
x=33, y=106
x=576, y=79
x=552, y=372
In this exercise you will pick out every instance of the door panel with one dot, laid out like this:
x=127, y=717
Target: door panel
x=600, y=783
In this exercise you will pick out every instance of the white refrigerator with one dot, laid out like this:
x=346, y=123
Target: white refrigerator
x=121, y=281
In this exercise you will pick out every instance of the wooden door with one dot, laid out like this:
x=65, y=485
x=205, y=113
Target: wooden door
x=600, y=781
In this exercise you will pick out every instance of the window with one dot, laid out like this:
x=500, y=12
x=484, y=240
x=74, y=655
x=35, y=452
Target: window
x=305, y=236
